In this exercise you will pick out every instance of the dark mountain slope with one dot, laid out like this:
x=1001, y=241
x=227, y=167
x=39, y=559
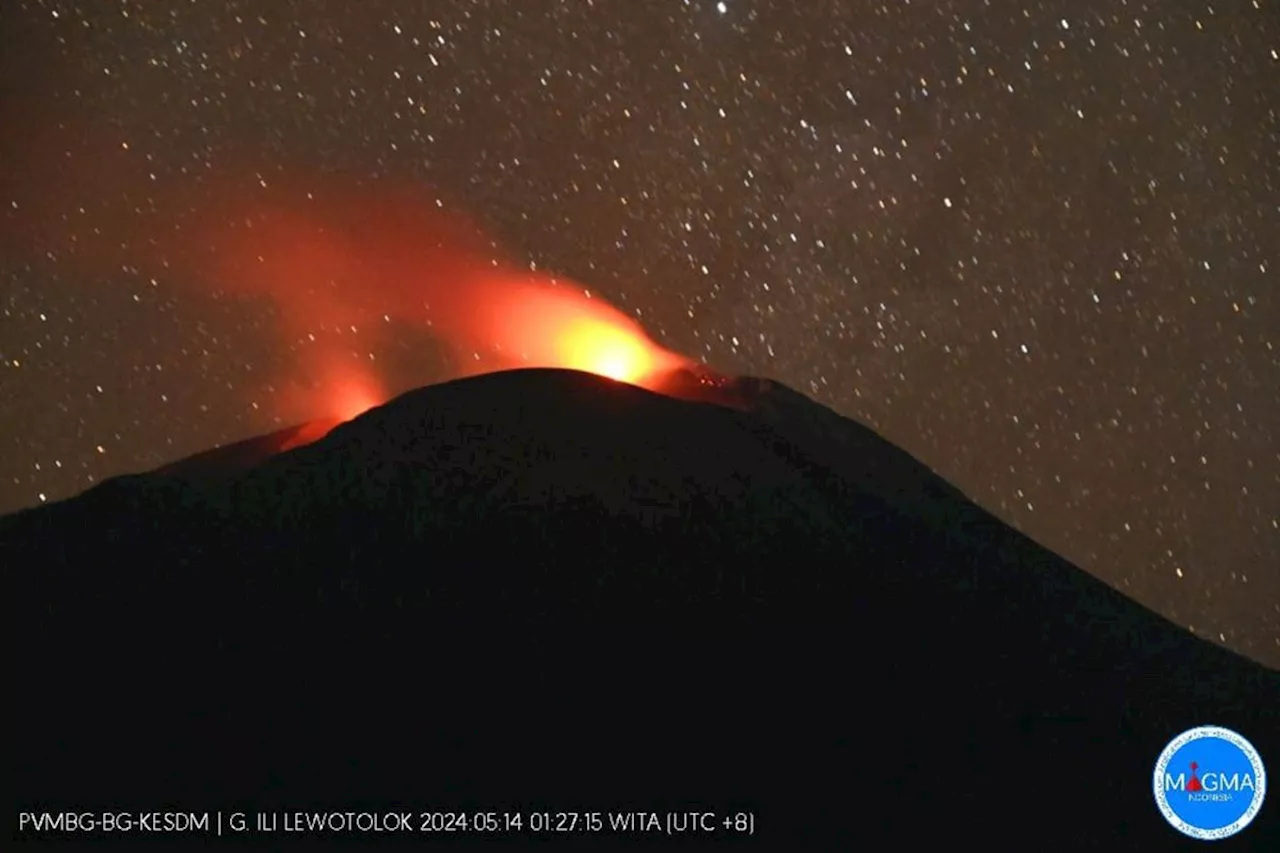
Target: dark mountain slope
x=236, y=458
x=540, y=588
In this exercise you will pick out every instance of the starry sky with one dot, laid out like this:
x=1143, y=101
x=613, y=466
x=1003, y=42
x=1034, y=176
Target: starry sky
x=1034, y=243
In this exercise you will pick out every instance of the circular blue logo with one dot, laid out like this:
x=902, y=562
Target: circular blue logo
x=1209, y=783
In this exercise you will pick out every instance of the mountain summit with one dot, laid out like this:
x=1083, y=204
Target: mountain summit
x=544, y=591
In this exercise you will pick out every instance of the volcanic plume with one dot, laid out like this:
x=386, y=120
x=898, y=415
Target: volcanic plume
x=343, y=261
x=349, y=256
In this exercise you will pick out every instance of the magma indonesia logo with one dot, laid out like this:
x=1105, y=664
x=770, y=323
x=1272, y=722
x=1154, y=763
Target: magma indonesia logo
x=1209, y=783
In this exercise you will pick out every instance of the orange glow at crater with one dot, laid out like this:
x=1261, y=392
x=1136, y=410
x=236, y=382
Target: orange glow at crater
x=538, y=325
x=351, y=393
x=352, y=401
x=607, y=351
x=339, y=389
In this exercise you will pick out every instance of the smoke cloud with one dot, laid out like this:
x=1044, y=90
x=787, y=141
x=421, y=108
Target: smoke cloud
x=329, y=252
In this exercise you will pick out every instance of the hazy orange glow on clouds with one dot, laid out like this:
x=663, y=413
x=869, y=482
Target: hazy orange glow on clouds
x=334, y=253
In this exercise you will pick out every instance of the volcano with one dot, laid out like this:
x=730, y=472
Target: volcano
x=544, y=592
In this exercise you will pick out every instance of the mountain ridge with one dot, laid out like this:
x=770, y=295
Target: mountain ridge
x=730, y=545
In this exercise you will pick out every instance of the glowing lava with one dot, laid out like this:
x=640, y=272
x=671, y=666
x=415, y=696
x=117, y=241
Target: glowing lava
x=308, y=433
x=351, y=398
x=539, y=325
x=609, y=350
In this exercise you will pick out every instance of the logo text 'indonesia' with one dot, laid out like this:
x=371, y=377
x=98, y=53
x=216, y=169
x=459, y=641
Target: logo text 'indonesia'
x=1209, y=782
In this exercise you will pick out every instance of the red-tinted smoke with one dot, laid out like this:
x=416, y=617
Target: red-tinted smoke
x=332, y=254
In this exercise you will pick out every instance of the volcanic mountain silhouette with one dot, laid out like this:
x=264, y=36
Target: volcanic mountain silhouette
x=543, y=590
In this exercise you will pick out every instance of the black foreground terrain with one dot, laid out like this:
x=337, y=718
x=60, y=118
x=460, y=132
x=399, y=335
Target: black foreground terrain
x=541, y=591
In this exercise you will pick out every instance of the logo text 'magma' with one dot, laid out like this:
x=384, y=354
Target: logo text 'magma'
x=1211, y=782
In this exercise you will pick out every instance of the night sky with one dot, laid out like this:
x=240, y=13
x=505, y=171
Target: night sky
x=1035, y=244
